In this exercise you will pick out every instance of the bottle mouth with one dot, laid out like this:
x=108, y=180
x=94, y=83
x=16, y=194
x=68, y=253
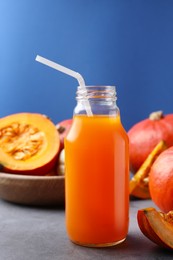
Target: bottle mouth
x=96, y=92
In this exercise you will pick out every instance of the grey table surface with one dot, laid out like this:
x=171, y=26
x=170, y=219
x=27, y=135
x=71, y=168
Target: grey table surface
x=34, y=233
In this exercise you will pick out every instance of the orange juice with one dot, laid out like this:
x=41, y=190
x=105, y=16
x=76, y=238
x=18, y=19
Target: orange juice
x=97, y=181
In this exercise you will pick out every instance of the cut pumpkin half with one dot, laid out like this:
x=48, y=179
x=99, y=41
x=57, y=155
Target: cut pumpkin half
x=29, y=144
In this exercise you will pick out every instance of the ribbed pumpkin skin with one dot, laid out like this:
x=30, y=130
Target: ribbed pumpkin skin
x=145, y=135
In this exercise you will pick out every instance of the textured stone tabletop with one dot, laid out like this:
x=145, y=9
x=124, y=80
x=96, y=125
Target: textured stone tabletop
x=32, y=233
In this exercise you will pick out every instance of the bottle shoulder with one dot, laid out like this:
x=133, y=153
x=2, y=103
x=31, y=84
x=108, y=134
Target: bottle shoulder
x=101, y=127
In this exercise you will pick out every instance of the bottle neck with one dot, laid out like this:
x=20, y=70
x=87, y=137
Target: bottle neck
x=102, y=100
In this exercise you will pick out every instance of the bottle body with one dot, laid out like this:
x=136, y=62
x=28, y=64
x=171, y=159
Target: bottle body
x=97, y=180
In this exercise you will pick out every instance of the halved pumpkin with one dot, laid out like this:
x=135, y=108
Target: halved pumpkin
x=29, y=144
x=156, y=226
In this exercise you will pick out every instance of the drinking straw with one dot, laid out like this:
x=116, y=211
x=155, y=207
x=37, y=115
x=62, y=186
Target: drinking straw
x=69, y=72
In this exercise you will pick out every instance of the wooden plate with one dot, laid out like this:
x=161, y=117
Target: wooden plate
x=32, y=190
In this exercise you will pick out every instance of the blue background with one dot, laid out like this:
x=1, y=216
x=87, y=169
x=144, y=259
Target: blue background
x=127, y=43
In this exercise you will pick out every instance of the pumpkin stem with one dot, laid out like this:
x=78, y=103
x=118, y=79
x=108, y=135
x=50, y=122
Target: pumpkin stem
x=60, y=129
x=156, y=115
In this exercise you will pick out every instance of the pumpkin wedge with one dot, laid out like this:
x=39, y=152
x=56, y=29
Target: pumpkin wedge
x=29, y=144
x=156, y=226
x=143, y=172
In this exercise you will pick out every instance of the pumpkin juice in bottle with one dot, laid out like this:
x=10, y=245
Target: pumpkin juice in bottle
x=97, y=171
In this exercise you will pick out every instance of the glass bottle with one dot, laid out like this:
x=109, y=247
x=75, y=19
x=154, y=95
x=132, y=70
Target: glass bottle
x=97, y=171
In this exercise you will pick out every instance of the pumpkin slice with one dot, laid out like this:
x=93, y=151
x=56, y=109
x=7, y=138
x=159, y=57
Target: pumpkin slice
x=29, y=144
x=156, y=226
x=146, y=166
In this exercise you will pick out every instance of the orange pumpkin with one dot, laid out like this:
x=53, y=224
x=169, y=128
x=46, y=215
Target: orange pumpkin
x=146, y=134
x=161, y=180
x=29, y=144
